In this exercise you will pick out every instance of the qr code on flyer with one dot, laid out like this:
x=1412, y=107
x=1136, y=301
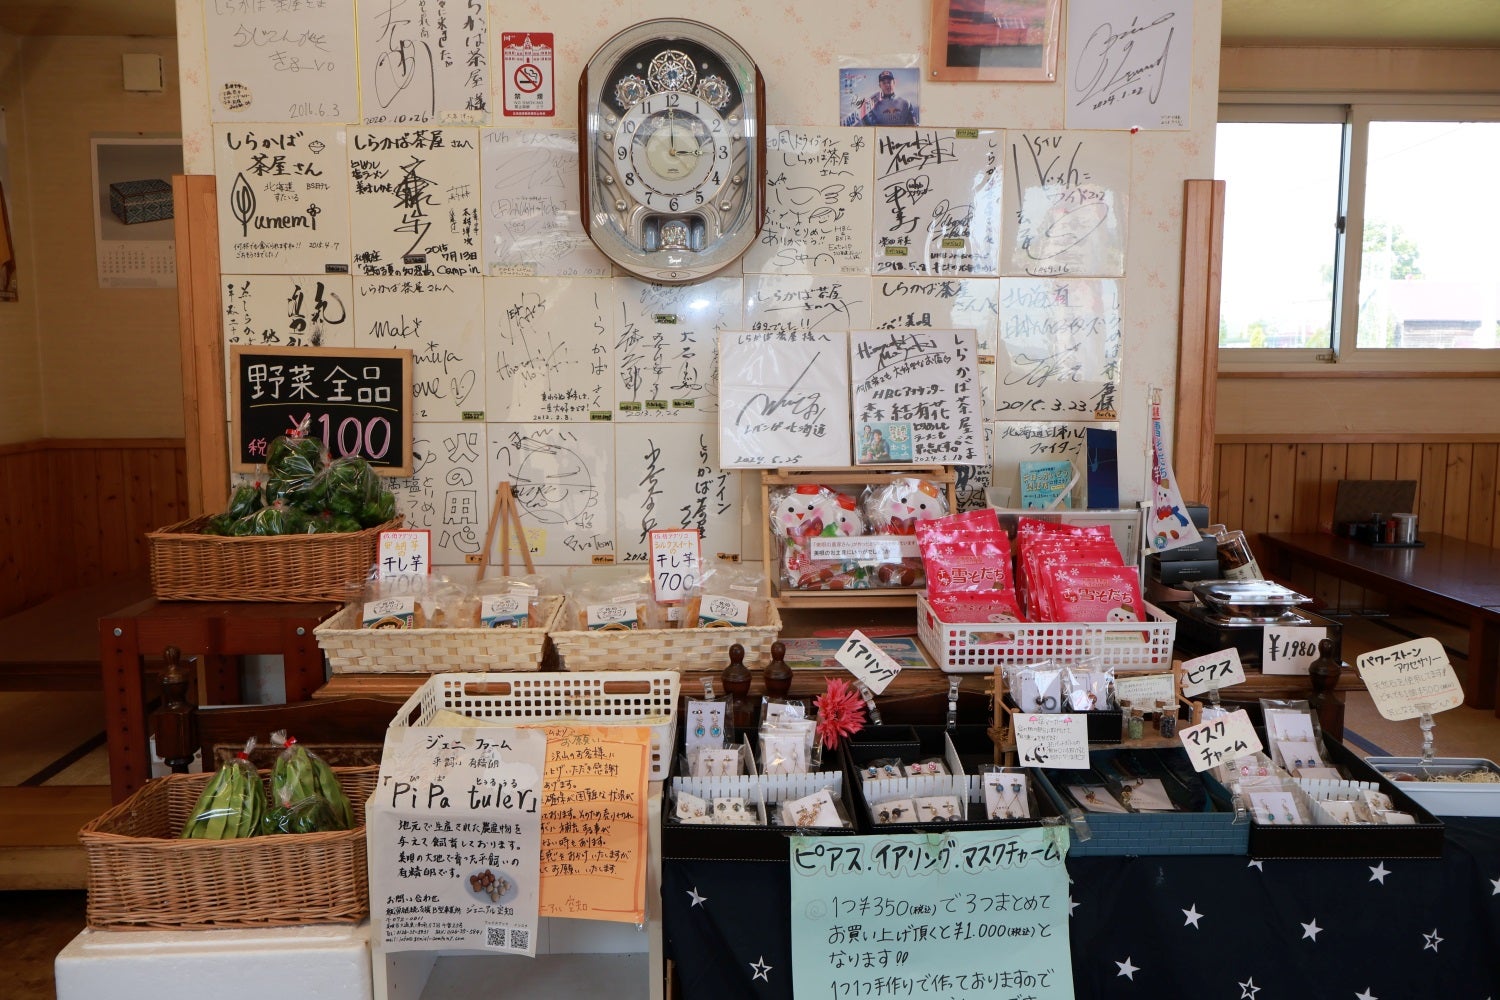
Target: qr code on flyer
x=507, y=938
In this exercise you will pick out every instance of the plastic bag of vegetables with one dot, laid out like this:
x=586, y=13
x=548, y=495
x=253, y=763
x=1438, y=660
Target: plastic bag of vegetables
x=233, y=802
x=305, y=794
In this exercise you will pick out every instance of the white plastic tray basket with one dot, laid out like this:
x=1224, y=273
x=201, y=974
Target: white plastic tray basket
x=980, y=647
x=612, y=698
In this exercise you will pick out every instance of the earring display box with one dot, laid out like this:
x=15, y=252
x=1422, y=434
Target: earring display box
x=913, y=796
x=757, y=832
x=1421, y=838
x=1203, y=822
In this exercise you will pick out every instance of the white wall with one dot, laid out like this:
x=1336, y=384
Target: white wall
x=798, y=47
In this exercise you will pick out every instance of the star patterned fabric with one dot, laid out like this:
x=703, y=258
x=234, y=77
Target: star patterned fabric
x=1368, y=928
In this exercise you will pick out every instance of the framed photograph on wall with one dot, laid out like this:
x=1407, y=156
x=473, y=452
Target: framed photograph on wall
x=1006, y=40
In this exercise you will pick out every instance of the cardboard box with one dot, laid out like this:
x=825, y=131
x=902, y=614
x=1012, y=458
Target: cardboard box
x=141, y=201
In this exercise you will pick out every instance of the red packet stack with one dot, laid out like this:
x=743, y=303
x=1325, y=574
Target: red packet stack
x=967, y=561
x=1074, y=574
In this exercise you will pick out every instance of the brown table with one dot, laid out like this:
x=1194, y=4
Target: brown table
x=218, y=632
x=1447, y=576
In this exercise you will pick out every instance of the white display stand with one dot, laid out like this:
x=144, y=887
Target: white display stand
x=575, y=958
x=327, y=961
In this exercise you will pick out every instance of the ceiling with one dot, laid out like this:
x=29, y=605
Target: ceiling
x=1456, y=23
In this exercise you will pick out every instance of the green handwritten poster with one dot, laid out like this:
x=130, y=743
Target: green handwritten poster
x=971, y=914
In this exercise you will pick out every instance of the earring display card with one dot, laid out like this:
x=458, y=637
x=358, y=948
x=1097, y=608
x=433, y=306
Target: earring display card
x=1276, y=808
x=705, y=725
x=1005, y=796
x=1096, y=799
x=815, y=810
x=1148, y=795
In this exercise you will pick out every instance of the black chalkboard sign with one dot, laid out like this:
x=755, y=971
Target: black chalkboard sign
x=358, y=402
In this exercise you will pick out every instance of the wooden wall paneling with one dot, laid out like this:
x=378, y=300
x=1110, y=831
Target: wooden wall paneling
x=1482, y=496
x=114, y=534
x=1409, y=464
x=1330, y=589
x=1433, y=484
x=168, y=487
x=1257, y=513
x=83, y=514
x=1460, y=469
x=139, y=505
x=1281, y=499
x=1383, y=461
x=1307, y=492
x=1228, y=504
x=1359, y=458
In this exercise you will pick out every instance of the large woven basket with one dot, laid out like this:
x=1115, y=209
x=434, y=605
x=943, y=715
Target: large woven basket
x=354, y=650
x=187, y=565
x=669, y=648
x=143, y=877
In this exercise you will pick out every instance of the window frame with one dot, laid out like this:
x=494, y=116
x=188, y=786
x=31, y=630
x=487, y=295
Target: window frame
x=1356, y=112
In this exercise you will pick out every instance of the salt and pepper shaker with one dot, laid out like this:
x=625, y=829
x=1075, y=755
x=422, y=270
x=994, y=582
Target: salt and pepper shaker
x=736, y=681
x=778, y=674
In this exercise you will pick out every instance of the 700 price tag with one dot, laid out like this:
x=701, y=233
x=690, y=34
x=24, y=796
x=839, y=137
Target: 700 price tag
x=1220, y=740
x=1212, y=672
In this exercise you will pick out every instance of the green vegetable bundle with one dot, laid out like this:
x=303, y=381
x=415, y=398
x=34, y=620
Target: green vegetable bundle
x=305, y=493
x=233, y=802
x=306, y=794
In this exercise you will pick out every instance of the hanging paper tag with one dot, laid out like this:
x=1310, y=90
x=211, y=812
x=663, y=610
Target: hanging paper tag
x=1167, y=524
x=1227, y=738
x=1410, y=679
x=1212, y=672
x=867, y=661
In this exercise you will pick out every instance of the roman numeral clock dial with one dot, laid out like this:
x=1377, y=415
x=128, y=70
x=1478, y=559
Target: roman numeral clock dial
x=672, y=150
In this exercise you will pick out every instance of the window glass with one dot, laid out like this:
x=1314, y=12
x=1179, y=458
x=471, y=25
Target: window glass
x=1430, y=263
x=1280, y=232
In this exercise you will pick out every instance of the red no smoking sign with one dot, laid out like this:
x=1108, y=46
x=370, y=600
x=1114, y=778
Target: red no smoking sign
x=526, y=64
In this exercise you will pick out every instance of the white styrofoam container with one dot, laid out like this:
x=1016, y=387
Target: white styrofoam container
x=980, y=647
x=602, y=698
x=1446, y=798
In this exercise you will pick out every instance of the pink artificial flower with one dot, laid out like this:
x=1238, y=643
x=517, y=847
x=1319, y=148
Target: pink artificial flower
x=840, y=712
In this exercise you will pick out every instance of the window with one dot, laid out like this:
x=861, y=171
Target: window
x=1361, y=234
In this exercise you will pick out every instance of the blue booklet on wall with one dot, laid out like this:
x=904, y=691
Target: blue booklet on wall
x=1103, y=451
x=1042, y=483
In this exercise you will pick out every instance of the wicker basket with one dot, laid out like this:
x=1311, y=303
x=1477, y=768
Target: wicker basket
x=354, y=650
x=142, y=876
x=187, y=565
x=669, y=648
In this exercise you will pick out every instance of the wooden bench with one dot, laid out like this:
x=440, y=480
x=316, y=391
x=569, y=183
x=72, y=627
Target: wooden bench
x=1447, y=576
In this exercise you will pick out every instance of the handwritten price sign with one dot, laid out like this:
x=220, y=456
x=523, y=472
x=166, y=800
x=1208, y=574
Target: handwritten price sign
x=1212, y=672
x=1060, y=741
x=867, y=661
x=405, y=553
x=1220, y=740
x=1410, y=679
x=675, y=562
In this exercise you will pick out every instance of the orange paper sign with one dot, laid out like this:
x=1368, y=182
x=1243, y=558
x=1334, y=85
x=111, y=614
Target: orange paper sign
x=594, y=823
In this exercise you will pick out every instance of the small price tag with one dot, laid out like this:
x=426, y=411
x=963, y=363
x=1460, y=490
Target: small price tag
x=1212, y=672
x=405, y=553
x=1290, y=650
x=867, y=661
x=676, y=562
x=1229, y=737
x=1058, y=741
x=1410, y=679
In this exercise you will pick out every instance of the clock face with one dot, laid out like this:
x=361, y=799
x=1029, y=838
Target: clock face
x=672, y=150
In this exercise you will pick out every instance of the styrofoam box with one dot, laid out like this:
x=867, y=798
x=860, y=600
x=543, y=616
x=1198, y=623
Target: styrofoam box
x=980, y=647
x=1445, y=798
x=601, y=698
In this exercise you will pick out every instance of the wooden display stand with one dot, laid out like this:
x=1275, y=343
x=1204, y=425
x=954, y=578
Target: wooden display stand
x=862, y=475
x=1004, y=736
